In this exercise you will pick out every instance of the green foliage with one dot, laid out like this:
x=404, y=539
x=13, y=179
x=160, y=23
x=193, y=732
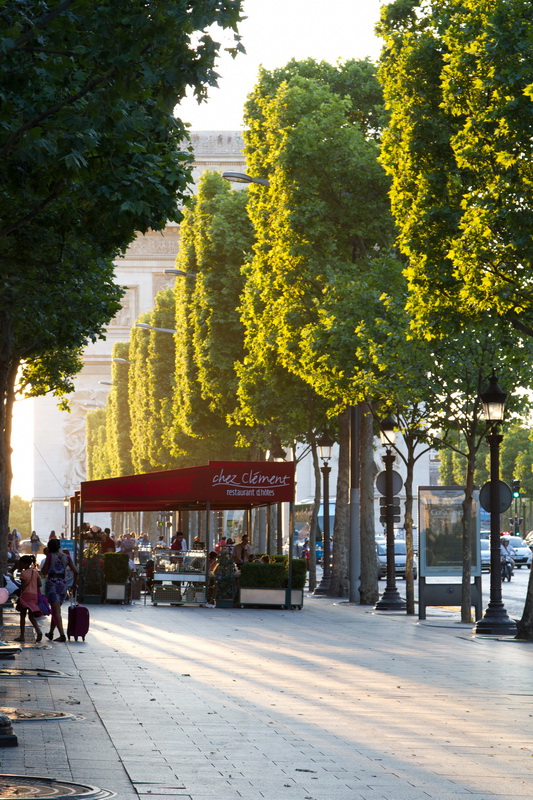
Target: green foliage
x=96, y=445
x=458, y=147
x=299, y=573
x=223, y=240
x=320, y=223
x=138, y=402
x=256, y=574
x=226, y=586
x=20, y=515
x=159, y=384
x=91, y=154
x=199, y=430
x=116, y=567
x=517, y=457
x=118, y=420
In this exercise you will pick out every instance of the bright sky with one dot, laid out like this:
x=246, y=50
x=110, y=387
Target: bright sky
x=274, y=32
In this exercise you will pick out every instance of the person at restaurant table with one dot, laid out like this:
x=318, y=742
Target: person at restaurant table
x=108, y=545
x=128, y=543
x=242, y=551
x=178, y=542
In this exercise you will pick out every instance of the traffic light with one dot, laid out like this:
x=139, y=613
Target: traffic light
x=516, y=488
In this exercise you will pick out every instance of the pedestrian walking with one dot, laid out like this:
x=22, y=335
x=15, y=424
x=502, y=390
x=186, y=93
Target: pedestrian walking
x=35, y=543
x=29, y=597
x=55, y=571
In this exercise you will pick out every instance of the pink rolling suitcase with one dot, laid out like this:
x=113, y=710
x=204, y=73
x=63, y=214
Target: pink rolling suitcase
x=78, y=621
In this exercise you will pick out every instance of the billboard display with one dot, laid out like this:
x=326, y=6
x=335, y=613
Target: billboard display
x=441, y=531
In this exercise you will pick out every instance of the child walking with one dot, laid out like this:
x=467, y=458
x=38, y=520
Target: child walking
x=27, y=602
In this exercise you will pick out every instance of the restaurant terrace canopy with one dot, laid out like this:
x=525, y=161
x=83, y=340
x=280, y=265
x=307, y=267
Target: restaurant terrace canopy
x=219, y=485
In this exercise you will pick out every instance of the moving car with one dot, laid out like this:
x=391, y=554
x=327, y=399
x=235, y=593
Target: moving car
x=400, y=557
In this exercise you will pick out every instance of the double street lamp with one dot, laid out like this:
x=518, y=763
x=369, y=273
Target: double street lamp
x=325, y=448
x=390, y=600
x=495, y=621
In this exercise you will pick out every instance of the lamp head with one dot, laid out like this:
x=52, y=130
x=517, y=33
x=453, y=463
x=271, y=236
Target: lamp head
x=493, y=400
x=387, y=431
x=325, y=446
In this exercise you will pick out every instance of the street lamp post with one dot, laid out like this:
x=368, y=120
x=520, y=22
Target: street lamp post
x=390, y=600
x=325, y=447
x=495, y=621
x=66, y=504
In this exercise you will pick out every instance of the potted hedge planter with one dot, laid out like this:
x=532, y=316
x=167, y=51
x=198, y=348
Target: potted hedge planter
x=116, y=574
x=91, y=587
x=226, y=587
x=264, y=584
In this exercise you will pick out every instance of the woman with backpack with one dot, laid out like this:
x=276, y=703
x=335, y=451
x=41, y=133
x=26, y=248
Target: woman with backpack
x=55, y=589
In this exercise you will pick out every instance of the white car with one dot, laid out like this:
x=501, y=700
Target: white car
x=485, y=555
x=523, y=554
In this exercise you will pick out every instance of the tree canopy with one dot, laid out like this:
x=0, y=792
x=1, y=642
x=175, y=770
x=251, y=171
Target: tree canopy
x=459, y=150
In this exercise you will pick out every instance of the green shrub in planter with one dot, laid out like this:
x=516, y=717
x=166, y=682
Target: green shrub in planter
x=116, y=567
x=279, y=559
x=299, y=573
x=255, y=574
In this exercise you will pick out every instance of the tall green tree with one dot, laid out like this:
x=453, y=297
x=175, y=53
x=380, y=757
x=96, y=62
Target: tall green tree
x=313, y=131
x=91, y=154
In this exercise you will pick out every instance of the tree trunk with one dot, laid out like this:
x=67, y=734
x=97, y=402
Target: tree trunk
x=408, y=525
x=525, y=625
x=314, y=520
x=369, y=566
x=340, y=570
x=466, y=594
x=8, y=372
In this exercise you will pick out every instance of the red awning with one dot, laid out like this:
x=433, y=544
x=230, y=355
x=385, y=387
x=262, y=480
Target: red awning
x=222, y=484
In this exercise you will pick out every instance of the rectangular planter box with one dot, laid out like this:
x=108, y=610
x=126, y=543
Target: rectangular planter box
x=116, y=592
x=89, y=599
x=269, y=597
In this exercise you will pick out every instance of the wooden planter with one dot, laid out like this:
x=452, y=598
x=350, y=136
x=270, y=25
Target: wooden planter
x=269, y=597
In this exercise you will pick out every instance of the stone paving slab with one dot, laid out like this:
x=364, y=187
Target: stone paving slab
x=330, y=703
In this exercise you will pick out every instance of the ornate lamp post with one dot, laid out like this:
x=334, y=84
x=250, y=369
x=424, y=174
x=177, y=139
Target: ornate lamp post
x=325, y=447
x=495, y=621
x=390, y=600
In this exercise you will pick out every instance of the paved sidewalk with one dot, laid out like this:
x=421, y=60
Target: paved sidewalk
x=333, y=702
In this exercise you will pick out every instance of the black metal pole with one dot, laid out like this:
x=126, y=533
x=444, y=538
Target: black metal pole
x=325, y=583
x=495, y=621
x=390, y=600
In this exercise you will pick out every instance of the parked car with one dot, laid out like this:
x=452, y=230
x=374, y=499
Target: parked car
x=400, y=557
x=484, y=534
x=485, y=555
x=523, y=554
